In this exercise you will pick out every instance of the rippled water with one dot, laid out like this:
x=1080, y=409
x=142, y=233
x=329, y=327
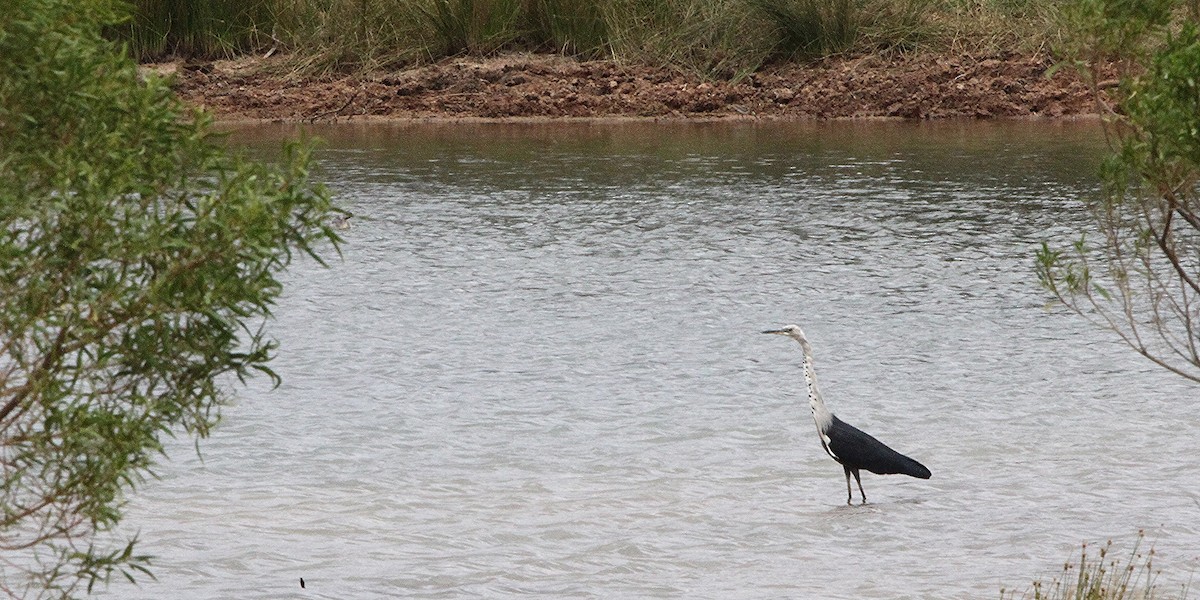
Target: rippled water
x=538, y=372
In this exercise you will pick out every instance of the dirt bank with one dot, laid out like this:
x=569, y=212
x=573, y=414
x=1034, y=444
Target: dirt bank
x=918, y=86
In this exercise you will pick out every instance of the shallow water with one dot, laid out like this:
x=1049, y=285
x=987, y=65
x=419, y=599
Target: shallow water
x=537, y=371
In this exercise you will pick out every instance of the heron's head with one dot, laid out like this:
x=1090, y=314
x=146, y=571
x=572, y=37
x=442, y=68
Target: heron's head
x=792, y=331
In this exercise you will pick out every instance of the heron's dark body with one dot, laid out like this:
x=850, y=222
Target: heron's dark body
x=856, y=449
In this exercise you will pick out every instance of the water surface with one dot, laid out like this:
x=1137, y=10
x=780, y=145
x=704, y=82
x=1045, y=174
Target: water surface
x=537, y=371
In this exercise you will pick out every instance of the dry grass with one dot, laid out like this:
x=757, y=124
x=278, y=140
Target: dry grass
x=716, y=38
x=1103, y=577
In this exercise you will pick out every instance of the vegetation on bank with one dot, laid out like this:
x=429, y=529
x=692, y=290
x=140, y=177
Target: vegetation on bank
x=718, y=38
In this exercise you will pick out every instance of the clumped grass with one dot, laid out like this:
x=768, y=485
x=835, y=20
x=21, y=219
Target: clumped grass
x=715, y=38
x=571, y=27
x=471, y=26
x=808, y=29
x=811, y=28
x=989, y=26
x=341, y=35
x=1103, y=577
x=898, y=25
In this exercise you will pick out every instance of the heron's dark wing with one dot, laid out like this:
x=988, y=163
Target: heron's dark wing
x=858, y=450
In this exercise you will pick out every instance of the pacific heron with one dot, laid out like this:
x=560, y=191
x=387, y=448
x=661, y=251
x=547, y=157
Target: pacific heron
x=845, y=443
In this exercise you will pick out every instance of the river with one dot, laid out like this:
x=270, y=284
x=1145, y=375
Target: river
x=537, y=371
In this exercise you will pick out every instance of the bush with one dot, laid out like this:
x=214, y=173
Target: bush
x=1142, y=278
x=138, y=263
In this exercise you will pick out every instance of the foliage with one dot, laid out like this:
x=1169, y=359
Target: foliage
x=1114, y=29
x=138, y=263
x=1102, y=577
x=1142, y=278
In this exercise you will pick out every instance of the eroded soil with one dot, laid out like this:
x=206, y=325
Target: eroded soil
x=524, y=86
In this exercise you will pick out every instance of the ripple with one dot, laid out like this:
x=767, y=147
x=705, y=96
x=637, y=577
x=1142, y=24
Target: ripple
x=537, y=372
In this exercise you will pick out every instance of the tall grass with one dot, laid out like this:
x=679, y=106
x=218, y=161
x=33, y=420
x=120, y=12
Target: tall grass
x=363, y=35
x=472, y=26
x=899, y=25
x=979, y=26
x=571, y=27
x=210, y=29
x=343, y=35
x=717, y=38
x=811, y=27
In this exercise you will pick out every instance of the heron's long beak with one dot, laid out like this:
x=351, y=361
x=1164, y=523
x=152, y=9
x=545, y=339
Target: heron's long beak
x=776, y=331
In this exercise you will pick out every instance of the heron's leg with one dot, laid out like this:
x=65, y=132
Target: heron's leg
x=859, y=481
x=849, y=491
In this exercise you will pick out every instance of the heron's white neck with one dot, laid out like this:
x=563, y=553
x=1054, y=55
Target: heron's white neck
x=821, y=414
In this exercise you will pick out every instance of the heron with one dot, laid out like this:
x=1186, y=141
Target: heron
x=845, y=443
